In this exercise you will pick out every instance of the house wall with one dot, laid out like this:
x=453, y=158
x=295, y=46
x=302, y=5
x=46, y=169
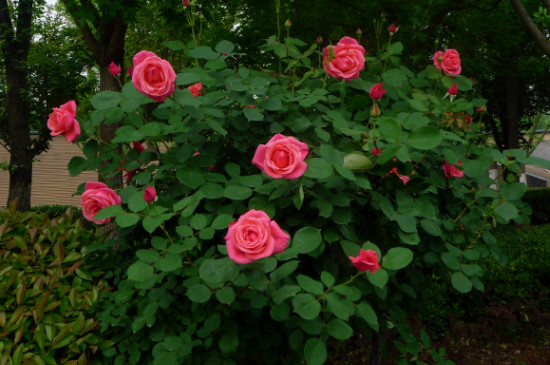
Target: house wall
x=52, y=183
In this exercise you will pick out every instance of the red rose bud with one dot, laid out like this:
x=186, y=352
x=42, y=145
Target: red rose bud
x=376, y=151
x=359, y=32
x=453, y=89
x=138, y=146
x=319, y=40
x=392, y=29
x=482, y=109
x=376, y=92
x=114, y=69
x=375, y=111
x=150, y=194
x=249, y=106
x=288, y=24
x=185, y=3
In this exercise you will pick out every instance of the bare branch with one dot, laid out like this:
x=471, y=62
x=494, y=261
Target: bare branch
x=536, y=33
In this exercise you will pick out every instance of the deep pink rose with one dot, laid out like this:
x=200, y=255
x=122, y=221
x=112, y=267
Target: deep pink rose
x=97, y=196
x=282, y=157
x=138, y=146
x=376, y=92
x=453, y=89
x=196, y=89
x=61, y=121
x=392, y=29
x=448, y=61
x=185, y=3
x=366, y=261
x=254, y=236
x=114, y=69
x=376, y=151
x=150, y=194
x=404, y=178
x=344, y=60
x=153, y=76
x=452, y=171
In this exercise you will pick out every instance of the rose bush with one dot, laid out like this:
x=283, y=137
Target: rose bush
x=205, y=275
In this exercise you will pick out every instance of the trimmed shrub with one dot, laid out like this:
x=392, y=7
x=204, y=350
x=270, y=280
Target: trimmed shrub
x=47, y=290
x=539, y=200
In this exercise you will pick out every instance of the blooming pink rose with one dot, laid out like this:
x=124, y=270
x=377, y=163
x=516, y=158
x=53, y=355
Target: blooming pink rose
x=452, y=171
x=114, y=69
x=344, y=60
x=97, y=196
x=449, y=61
x=61, y=121
x=282, y=157
x=366, y=261
x=150, y=194
x=376, y=92
x=153, y=76
x=453, y=89
x=254, y=236
x=196, y=89
x=392, y=29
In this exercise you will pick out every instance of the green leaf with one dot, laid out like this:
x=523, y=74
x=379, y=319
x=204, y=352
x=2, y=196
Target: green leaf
x=229, y=342
x=339, y=329
x=365, y=311
x=225, y=295
x=340, y=307
x=317, y=168
x=390, y=129
x=140, y=272
x=217, y=270
x=170, y=262
x=198, y=293
x=204, y=52
x=506, y=211
x=474, y=168
x=109, y=211
x=461, y=282
x=306, y=306
x=222, y=221
x=327, y=279
x=425, y=138
x=253, y=114
x=148, y=256
x=357, y=161
x=331, y=155
x=513, y=191
x=136, y=202
x=106, y=99
x=306, y=239
x=77, y=165
x=191, y=177
x=174, y=45
x=379, y=278
x=397, y=258
x=237, y=192
x=310, y=285
x=431, y=227
x=198, y=222
x=126, y=219
x=315, y=351
x=224, y=47
x=285, y=270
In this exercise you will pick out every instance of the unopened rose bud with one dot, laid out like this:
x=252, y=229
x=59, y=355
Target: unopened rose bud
x=453, y=89
x=114, y=69
x=359, y=32
x=482, y=109
x=319, y=40
x=392, y=29
x=288, y=24
x=150, y=194
x=185, y=4
x=375, y=111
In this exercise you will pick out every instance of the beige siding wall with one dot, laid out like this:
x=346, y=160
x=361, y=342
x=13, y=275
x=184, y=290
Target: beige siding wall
x=52, y=183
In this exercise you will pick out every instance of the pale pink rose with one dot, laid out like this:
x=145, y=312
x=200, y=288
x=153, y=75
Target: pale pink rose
x=196, y=89
x=114, y=69
x=153, y=76
x=366, y=261
x=453, y=89
x=448, y=61
x=150, y=194
x=345, y=60
x=452, y=171
x=254, y=236
x=61, y=121
x=377, y=92
x=97, y=196
x=282, y=157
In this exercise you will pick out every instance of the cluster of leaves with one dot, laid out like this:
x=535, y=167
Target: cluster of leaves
x=47, y=291
x=180, y=299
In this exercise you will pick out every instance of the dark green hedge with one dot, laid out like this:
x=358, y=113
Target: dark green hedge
x=539, y=200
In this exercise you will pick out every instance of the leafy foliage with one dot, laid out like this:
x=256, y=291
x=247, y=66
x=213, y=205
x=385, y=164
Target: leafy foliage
x=47, y=290
x=180, y=299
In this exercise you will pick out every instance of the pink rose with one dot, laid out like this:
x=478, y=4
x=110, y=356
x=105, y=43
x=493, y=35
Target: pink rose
x=366, y=261
x=404, y=178
x=150, y=194
x=61, y=121
x=114, y=69
x=138, y=146
x=452, y=171
x=376, y=151
x=254, y=236
x=448, y=61
x=97, y=196
x=196, y=89
x=453, y=89
x=376, y=92
x=153, y=76
x=344, y=60
x=392, y=29
x=282, y=157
